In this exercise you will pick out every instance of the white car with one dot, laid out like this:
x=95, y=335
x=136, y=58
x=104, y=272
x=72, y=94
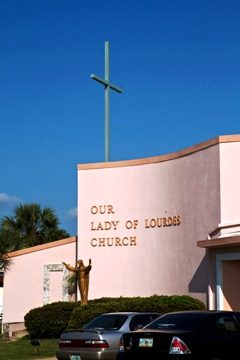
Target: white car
x=99, y=339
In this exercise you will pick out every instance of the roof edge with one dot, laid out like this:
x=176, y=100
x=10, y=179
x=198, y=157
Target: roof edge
x=43, y=246
x=229, y=241
x=162, y=158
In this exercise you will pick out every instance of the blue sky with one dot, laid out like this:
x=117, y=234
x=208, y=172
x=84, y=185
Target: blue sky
x=178, y=62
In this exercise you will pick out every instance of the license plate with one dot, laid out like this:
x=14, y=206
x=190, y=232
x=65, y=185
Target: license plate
x=75, y=357
x=145, y=342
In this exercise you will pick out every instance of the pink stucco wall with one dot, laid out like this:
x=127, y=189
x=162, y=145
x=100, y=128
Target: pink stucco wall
x=24, y=281
x=166, y=259
x=189, y=193
x=230, y=177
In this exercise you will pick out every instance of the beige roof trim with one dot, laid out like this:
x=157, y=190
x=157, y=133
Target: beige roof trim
x=43, y=247
x=229, y=241
x=162, y=158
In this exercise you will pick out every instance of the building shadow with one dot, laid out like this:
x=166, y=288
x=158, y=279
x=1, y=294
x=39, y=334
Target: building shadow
x=199, y=281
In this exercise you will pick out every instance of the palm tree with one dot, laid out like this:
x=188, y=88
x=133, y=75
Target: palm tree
x=31, y=225
x=5, y=248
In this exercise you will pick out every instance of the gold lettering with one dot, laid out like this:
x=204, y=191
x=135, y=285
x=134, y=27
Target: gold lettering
x=128, y=224
x=106, y=225
x=153, y=223
x=131, y=224
x=133, y=241
x=109, y=241
x=162, y=221
x=102, y=209
x=110, y=209
x=99, y=227
x=94, y=210
x=101, y=242
x=94, y=242
x=146, y=224
x=118, y=241
x=114, y=223
x=114, y=241
x=174, y=220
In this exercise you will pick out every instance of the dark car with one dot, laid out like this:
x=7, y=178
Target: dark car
x=99, y=339
x=205, y=335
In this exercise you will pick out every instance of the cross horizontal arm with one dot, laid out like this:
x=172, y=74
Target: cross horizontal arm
x=106, y=83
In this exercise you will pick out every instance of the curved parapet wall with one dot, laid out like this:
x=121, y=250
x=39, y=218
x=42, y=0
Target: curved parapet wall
x=166, y=157
x=140, y=220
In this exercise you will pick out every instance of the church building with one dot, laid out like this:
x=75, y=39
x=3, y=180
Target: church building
x=166, y=225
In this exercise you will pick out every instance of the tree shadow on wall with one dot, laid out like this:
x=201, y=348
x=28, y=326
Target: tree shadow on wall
x=199, y=281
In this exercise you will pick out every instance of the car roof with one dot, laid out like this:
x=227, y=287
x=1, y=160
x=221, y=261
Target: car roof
x=206, y=312
x=202, y=311
x=130, y=313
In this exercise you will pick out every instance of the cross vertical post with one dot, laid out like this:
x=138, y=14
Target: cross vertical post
x=108, y=86
x=107, y=103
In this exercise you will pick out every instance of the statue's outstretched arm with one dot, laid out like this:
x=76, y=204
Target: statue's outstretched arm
x=69, y=267
x=89, y=267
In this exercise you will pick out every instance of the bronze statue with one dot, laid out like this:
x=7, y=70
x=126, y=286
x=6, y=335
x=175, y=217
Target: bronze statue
x=82, y=273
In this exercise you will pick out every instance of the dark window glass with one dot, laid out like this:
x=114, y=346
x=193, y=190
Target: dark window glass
x=107, y=322
x=138, y=321
x=226, y=324
x=237, y=316
x=185, y=321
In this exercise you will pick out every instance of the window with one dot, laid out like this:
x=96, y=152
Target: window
x=107, y=322
x=187, y=321
x=139, y=321
x=226, y=324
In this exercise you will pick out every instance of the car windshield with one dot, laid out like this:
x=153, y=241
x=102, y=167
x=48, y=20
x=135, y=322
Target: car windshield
x=187, y=321
x=107, y=322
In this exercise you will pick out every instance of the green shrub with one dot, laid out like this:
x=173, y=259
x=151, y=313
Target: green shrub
x=162, y=304
x=51, y=320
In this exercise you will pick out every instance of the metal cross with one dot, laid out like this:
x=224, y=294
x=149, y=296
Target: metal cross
x=108, y=86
